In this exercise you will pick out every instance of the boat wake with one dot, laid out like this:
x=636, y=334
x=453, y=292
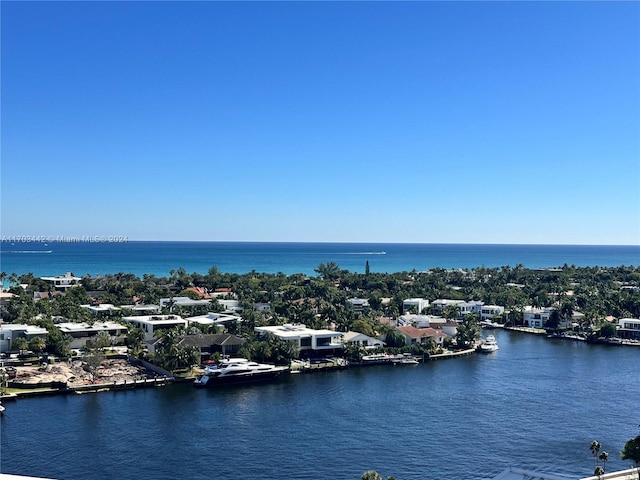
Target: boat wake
x=31, y=251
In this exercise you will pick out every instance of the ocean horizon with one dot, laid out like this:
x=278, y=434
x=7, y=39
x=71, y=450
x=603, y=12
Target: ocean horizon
x=161, y=257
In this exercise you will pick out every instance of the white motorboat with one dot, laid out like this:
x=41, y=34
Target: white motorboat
x=489, y=344
x=232, y=371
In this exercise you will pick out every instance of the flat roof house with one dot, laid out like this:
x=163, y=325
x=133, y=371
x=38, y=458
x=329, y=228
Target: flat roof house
x=83, y=332
x=63, y=282
x=414, y=305
x=213, y=319
x=629, y=328
x=310, y=342
x=9, y=332
x=152, y=323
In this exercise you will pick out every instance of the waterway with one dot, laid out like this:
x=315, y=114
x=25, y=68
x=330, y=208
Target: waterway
x=536, y=403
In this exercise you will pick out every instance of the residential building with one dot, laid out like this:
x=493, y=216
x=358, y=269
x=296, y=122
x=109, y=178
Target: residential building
x=231, y=305
x=536, y=317
x=356, y=338
x=629, y=328
x=82, y=332
x=488, y=312
x=213, y=319
x=172, y=302
x=63, y=282
x=358, y=304
x=309, y=341
x=101, y=309
x=262, y=307
x=415, y=305
x=225, y=344
x=10, y=332
x=153, y=323
x=415, y=335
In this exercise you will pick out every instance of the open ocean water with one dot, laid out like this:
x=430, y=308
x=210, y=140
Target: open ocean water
x=159, y=258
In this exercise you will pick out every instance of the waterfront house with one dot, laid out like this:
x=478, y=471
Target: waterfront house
x=63, y=282
x=82, y=332
x=356, y=338
x=153, y=323
x=10, y=332
x=414, y=305
x=533, y=317
x=225, y=344
x=309, y=341
x=415, y=335
x=629, y=328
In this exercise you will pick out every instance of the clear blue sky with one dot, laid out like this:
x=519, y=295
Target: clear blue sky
x=429, y=122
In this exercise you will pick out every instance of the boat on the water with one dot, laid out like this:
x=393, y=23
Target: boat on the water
x=405, y=359
x=489, y=344
x=233, y=371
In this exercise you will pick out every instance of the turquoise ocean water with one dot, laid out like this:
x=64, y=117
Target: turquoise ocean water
x=160, y=258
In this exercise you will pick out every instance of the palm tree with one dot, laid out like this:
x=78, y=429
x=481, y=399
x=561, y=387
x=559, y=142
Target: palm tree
x=37, y=344
x=604, y=456
x=595, y=451
x=20, y=344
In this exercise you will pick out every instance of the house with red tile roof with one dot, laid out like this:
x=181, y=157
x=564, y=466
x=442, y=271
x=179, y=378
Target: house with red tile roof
x=421, y=335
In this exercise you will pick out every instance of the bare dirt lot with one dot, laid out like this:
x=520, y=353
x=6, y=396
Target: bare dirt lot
x=76, y=373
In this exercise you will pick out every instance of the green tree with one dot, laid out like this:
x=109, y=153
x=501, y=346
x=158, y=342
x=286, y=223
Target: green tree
x=468, y=331
x=37, y=344
x=20, y=344
x=371, y=475
x=608, y=330
x=631, y=451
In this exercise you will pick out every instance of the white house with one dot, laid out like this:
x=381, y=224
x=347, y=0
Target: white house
x=182, y=302
x=152, y=323
x=416, y=304
x=363, y=340
x=213, y=319
x=9, y=332
x=230, y=305
x=536, y=317
x=63, y=282
x=306, y=339
x=101, y=308
x=487, y=312
x=629, y=328
x=82, y=332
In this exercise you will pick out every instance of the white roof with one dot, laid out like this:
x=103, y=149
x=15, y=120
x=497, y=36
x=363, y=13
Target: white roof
x=296, y=331
x=213, y=318
x=85, y=327
x=157, y=319
x=103, y=307
x=28, y=329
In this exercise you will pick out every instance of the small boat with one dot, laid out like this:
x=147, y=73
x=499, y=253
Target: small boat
x=489, y=344
x=233, y=371
x=405, y=359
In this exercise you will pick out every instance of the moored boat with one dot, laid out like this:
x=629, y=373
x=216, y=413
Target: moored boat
x=489, y=344
x=233, y=371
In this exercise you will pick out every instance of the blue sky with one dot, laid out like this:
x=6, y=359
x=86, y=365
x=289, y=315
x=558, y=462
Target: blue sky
x=428, y=122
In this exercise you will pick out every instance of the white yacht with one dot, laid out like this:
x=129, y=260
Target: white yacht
x=489, y=344
x=233, y=371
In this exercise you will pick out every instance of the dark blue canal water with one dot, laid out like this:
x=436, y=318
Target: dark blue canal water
x=536, y=403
